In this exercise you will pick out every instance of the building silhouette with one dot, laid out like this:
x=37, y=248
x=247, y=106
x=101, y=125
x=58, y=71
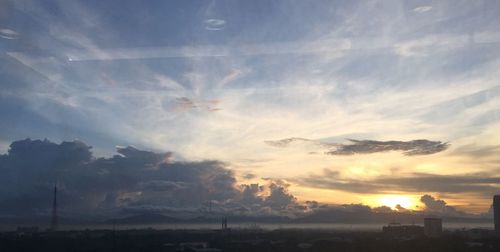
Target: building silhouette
x=396, y=230
x=496, y=212
x=433, y=227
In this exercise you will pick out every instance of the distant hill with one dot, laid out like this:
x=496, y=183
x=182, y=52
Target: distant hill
x=147, y=218
x=332, y=216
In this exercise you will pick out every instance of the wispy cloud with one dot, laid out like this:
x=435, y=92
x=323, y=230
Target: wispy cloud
x=8, y=34
x=183, y=104
x=476, y=183
x=213, y=24
x=422, y=9
x=409, y=148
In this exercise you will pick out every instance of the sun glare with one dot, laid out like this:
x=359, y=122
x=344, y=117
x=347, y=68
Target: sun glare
x=393, y=200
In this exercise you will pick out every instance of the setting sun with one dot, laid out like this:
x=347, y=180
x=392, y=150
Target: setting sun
x=393, y=200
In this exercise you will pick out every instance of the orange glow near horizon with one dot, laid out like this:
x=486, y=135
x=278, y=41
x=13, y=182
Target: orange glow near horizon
x=393, y=200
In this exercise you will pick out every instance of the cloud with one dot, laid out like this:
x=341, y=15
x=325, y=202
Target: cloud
x=233, y=74
x=360, y=213
x=138, y=181
x=8, y=34
x=409, y=148
x=432, y=44
x=135, y=179
x=383, y=209
x=288, y=141
x=145, y=157
x=213, y=24
x=422, y=9
x=184, y=104
x=401, y=209
x=476, y=183
x=438, y=206
x=161, y=185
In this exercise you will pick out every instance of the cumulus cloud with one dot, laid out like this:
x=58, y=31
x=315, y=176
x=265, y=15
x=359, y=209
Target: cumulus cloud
x=134, y=179
x=438, y=206
x=382, y=209
x=478, y=183
x=408, y=148
x=270, y=198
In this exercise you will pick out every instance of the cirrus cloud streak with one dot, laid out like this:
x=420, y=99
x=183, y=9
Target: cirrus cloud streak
x=408, y=148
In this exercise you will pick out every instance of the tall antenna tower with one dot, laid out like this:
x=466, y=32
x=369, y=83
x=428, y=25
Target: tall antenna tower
x=224, y=223
x=53, y=223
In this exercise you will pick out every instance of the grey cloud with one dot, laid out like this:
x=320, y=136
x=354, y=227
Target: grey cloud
x=272, y=198
x=478, y=183
x=279, y=198
x=359, y=213
x=382, y=209
x=438, y=206
x=408, y=148
x=161, y=185
x=433, y=204
x=384, y=214
x=132, y=152
x=401, y=209
x=134, y=179
x=138, y=181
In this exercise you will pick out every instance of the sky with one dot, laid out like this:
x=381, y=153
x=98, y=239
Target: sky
x=266, y=106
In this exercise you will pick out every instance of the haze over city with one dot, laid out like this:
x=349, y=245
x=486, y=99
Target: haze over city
x=297, y=109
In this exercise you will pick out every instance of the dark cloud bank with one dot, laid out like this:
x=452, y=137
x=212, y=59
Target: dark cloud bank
x=408, y=148
x=133, y=182
x=137, y=182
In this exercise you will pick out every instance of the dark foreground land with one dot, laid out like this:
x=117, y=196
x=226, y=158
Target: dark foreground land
x=243, y=240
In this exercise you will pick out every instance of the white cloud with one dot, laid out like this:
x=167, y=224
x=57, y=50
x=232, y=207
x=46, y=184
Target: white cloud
x=214, y=24
x=8, y=34
x=422, y=9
